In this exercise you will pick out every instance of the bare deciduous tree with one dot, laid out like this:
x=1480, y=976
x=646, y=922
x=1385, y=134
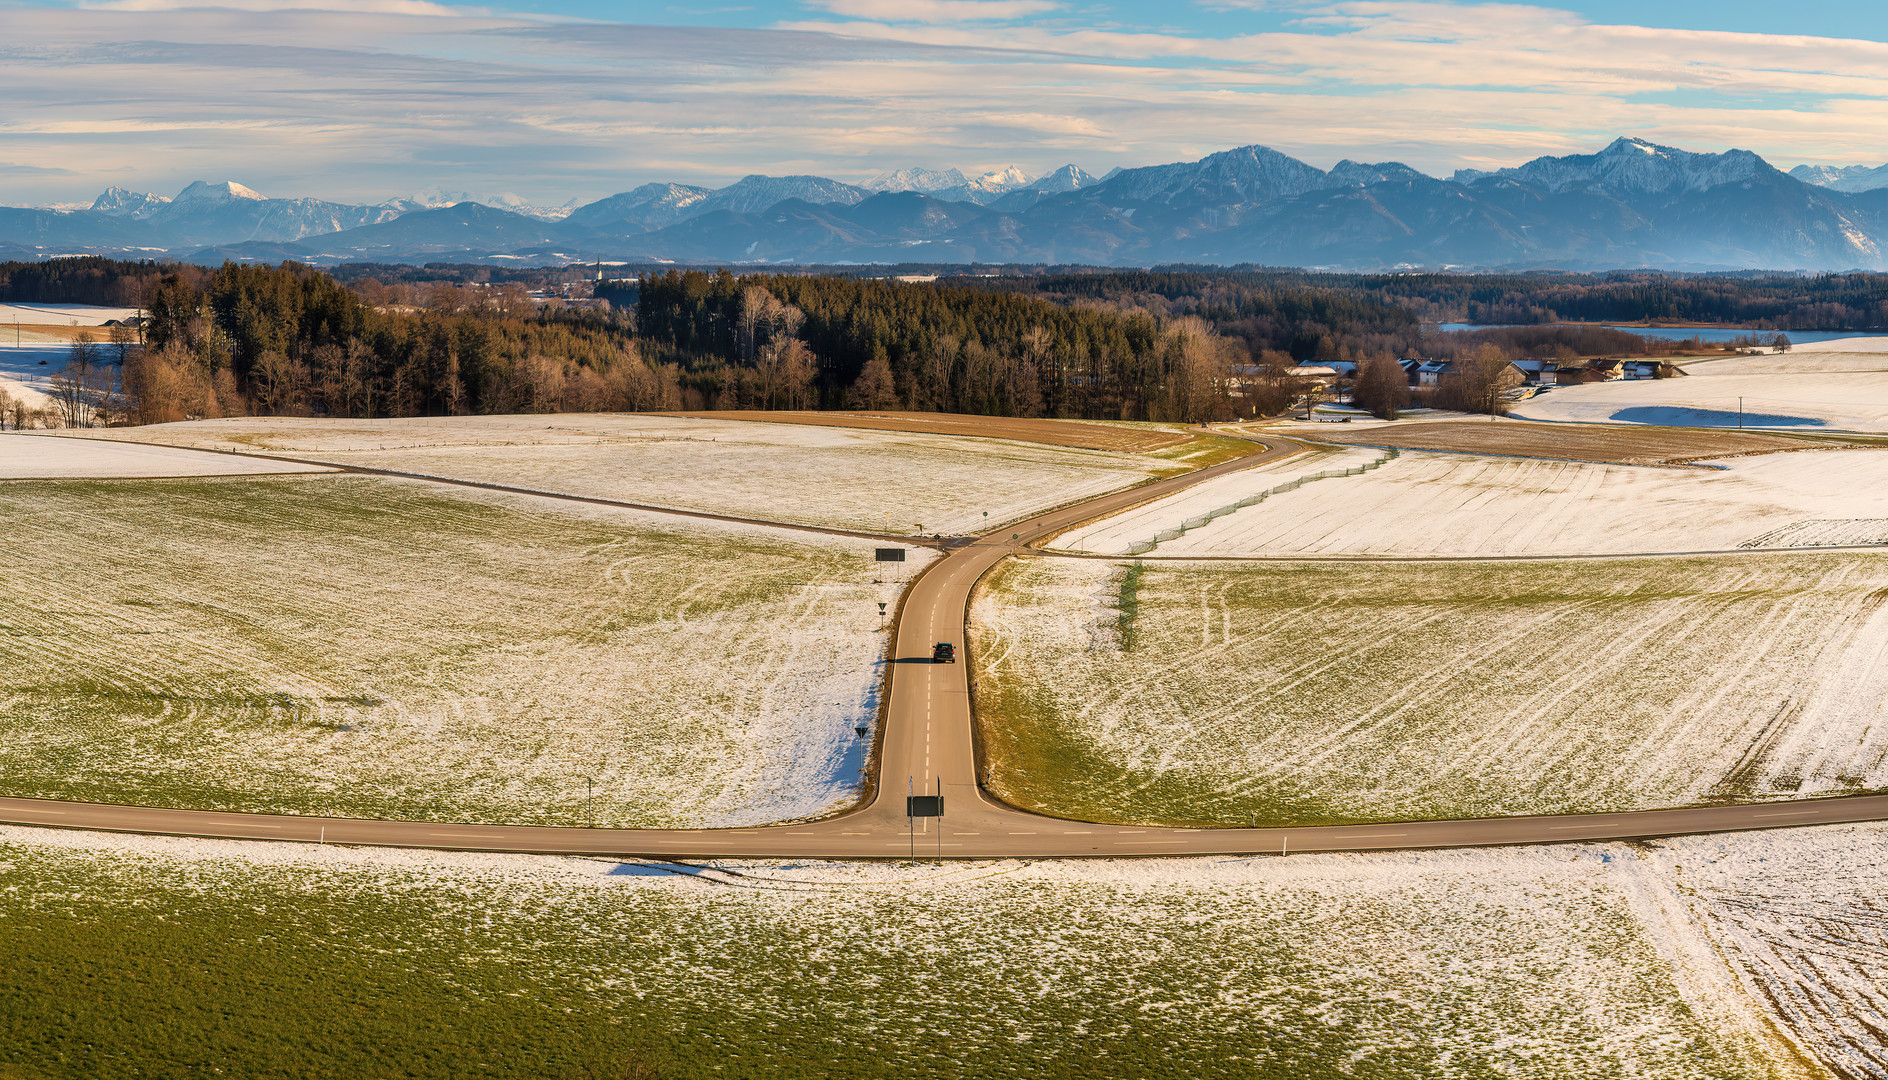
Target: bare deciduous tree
x=280, y=385
x=1381, y=387
x=86, y=391
x=874, y=388
x=1476, y=381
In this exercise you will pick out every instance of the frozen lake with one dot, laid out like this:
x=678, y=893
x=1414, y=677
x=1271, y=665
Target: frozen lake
x=31, y=366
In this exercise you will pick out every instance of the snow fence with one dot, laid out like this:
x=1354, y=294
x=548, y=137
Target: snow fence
x=1142, y=547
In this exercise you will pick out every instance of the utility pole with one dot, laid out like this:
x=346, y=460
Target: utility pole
x=1740, y=414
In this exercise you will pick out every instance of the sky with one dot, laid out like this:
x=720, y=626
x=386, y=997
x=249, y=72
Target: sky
x=560, y=100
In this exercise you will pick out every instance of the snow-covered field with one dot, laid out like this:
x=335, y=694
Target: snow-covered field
x=1457, y=504
x=1832, y=385
x=1803, y=917
x=836, y=477
x=1143, y=524
x=45, y=457
x=1585, y=961
x=367, y=647
x=1195, y=692
x=61, y=314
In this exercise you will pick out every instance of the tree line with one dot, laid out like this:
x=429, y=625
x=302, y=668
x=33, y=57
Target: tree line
x=1854, y=301
x=292, y=341
x=1174, y=345
x=780, y=340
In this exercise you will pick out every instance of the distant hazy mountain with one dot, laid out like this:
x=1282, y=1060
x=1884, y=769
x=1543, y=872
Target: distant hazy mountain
x=1849, y=178
x=118, y=202
x=468, y=229
x=1632, y=204
x=650, y=206
x=207, y=213
x=915, y=179
x=64, y=232
x=951, y=185
x=1635, y=167
x=1242, y=177
x=752, y=194
x=434, y=198
x=1066, y=178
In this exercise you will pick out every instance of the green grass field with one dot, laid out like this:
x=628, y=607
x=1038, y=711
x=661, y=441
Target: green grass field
x=363, y=647
x=178, y=961
x=1299, y=693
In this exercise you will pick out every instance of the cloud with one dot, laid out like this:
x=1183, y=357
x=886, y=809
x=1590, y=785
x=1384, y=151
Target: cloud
x=371, y=7
x=939, y=11
x=373, y=101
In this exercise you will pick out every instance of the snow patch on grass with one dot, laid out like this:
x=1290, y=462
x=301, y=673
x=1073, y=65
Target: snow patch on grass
x=1464, y=505
x=1321, y=692
x=41, y=457
x=1803, y=914
x=1529, y=962
x=351, y=646
x=877, y=481
x=1114, y=535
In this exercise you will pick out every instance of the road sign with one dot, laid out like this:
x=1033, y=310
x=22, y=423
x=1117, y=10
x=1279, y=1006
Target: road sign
x=891, y=554
x=924, y=806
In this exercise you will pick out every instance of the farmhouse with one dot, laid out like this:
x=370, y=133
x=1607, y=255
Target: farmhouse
x=1325, y=374
x=1538, y=372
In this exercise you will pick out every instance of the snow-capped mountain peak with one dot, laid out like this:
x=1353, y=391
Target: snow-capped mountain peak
x=1002, y=181
x=436, y=197
x=1247, y=174
x=227, y=191
x=1066, y=178
x=1636, y=167
x=1357, y=174
x=120, y=202
x=1849, y=178
x=916, y=179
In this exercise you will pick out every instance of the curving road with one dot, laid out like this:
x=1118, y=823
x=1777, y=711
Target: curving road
x=927, y=747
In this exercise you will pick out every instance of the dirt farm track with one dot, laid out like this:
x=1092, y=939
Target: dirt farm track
x=1076, y=433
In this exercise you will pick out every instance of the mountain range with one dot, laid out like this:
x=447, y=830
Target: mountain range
x=1632, y=204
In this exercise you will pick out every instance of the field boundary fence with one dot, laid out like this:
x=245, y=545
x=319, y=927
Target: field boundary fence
x=1142, y=547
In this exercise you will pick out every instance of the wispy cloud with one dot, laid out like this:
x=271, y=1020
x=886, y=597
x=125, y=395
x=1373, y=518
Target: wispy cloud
x=371, y=7
x=939, y=11
x=395, y=95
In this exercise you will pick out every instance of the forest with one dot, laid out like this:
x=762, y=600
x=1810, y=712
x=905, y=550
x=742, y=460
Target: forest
x=1277, y=305
x=1856, y=301
x=792, y=341
x=1171, y=345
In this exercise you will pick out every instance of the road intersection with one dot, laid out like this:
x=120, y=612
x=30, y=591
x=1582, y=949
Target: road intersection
x=928, y=747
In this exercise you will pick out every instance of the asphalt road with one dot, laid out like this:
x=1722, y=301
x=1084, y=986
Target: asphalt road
x=927, y=748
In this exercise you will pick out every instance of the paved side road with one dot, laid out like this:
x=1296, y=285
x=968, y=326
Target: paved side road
x=928, y=747
x=970, y=829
